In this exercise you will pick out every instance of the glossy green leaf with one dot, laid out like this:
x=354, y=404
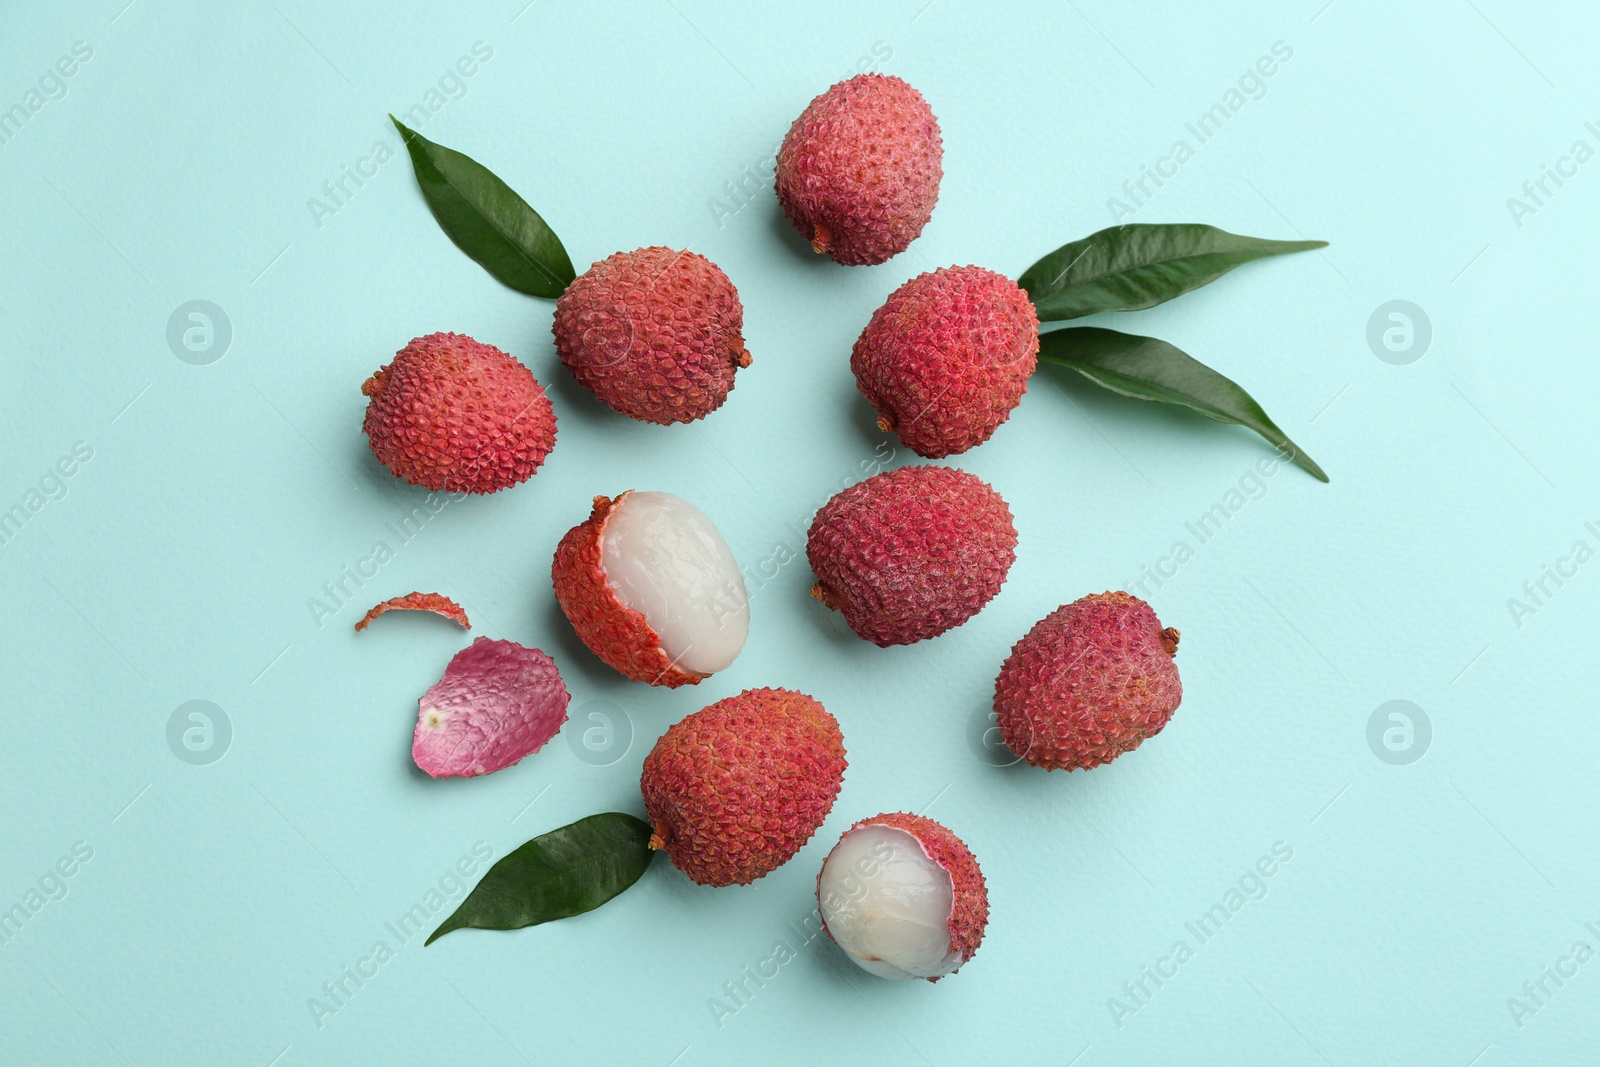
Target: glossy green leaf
x=1148, y=369
x=562, y=873
x=1139, y=265
x=487, y=219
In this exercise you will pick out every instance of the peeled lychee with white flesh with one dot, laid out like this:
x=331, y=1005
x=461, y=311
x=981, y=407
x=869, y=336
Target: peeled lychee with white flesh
x=453, y=414
x=910, y=553
x=947, y=357
x=733, y=791
x=858, y=173
x=656, y=334
x=652, y=588
x=903, y=896
x=1090, y=681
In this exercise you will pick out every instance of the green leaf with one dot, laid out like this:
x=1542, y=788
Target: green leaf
x=562, y=873
x=1139, y=265
x=1148, y=369
x=487, y=219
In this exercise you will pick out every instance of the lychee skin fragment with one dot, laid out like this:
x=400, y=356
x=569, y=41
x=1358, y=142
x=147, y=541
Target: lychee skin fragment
x=911, y=553
x=1090, y=681
x=877, y=903
x=858, y=173
x=437, y=603
x=656, y=334
x=947, y=357
x=734, y=790
x=450, y=413
x=497, y=702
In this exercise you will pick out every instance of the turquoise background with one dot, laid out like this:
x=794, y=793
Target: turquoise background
x=179, y=561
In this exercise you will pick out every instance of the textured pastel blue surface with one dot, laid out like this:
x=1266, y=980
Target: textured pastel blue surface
x=213, y=906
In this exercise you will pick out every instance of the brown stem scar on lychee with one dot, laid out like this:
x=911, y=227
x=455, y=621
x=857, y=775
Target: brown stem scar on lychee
x=885, y=424
x=821, y=238
x=1169, y=640
x=824, y=594
x=744, y=357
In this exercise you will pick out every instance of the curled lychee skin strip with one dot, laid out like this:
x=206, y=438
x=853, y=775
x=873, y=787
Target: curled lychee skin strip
x=497, y=702
x=437, y=603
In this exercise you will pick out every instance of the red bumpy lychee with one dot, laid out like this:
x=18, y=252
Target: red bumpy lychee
x=1089, y=682
x=947, y=357
x=450, y=413
x=735, y=789
x=858, y=173
x=656, y=334
x=910, y=553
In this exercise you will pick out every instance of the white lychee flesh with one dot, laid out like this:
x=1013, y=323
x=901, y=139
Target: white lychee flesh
x=665, y=559
x=887, y=904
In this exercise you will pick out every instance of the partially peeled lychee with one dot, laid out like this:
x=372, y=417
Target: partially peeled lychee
x=903, y=896
x=652, y=588
x=1090, y=681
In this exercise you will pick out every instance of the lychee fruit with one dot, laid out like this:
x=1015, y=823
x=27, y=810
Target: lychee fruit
x=656, y=334
x=903, y=896
x=453, y=414
x=735, y=789
x=858, y=173
x=1089, y=682
x=910, y=553
x=947, y=357
x=653, y=589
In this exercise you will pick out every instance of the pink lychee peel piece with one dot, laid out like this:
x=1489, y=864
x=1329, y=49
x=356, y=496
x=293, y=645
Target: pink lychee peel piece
x=497, y=702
